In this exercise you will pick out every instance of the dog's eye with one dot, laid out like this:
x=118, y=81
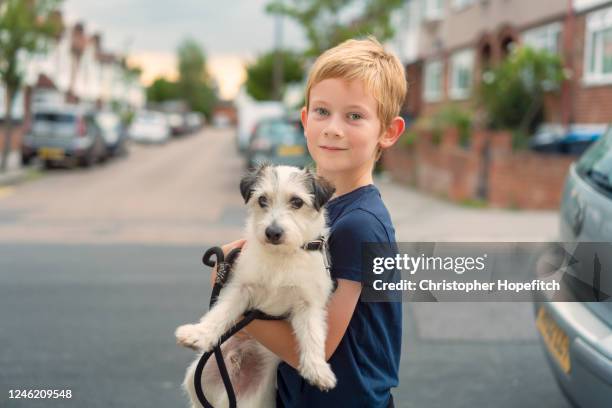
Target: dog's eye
x=263, y=202
x=296, y=202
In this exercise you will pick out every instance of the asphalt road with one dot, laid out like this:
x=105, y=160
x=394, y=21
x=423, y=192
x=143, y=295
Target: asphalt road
x=98, y=267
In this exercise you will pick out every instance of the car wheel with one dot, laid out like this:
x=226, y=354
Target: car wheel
x=87, y=160
x=26, y=160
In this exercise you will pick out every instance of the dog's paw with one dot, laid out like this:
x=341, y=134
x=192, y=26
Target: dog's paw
x=187, y=335
x=318, y=374
x=194, y=337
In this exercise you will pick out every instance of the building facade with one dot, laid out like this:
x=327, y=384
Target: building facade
x=448, y=44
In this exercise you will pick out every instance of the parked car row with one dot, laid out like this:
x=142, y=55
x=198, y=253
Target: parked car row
x=79, y=135
x=73, y=134
x=158, y=127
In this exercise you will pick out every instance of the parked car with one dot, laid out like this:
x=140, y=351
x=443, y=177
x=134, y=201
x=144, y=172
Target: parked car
x=251, y=113
x=113, y=132
x=278, y=141
x=577, y=336
x=178, y=123
x=194, y=121
x=556, y=138
x=64, y=134
x=150, y=127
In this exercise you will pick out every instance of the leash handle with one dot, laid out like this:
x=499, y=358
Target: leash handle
x=223, y=270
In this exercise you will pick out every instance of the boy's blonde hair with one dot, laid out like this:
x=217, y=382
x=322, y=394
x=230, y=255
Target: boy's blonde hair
x=366, y=60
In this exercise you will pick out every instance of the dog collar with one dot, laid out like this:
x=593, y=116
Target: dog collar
x=319, y=244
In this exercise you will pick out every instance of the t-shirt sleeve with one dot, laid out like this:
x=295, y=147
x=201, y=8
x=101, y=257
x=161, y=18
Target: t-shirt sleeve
x=345, y=243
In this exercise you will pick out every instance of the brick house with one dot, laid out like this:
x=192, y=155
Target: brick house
x=447, y=44
x=75, y=69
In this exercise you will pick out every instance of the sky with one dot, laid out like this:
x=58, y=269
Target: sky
x=231, y=32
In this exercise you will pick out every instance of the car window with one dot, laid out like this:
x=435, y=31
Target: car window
x=596, y=164
x=58, y=118
x=281, y=132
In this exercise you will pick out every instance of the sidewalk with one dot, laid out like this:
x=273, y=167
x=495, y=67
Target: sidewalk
x=418, y=216
x=14, y=172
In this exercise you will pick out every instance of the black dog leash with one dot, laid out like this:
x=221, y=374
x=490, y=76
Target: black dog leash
x=223, y=270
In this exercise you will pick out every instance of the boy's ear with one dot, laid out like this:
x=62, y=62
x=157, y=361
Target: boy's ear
x=393, y=132
x=304, y=116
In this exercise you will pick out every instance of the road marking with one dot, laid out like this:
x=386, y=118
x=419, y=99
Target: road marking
x=6, y=191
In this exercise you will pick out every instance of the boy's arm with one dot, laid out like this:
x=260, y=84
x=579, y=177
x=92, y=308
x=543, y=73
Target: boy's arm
x=277, y=335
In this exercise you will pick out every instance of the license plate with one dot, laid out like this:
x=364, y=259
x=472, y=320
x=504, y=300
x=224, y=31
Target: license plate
x=555, y=339
x=50, y=153
x=296, y=150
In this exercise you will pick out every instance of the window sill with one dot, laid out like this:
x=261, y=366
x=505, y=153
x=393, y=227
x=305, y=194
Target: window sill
x=590, y=82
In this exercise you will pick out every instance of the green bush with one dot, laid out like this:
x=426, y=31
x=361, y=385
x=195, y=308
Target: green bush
x=454, y=116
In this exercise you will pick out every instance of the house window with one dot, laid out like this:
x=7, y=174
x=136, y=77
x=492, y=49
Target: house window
x=598, y=48
x=546, y=37
x=433, y=9
x=433, y=81
x=462, y=65
x=461, y=4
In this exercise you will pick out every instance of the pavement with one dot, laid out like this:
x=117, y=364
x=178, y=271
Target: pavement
x=100, y=265
x=14, y=173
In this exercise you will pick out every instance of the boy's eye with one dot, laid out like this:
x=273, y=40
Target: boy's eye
x=354, y=116
x=263, y=201
x=296, y=202
x=321, y=111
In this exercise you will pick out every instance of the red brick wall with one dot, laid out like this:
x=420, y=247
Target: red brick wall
x=525, y=179
x=522, y=179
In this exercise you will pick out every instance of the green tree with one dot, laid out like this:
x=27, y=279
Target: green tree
x=162, y=90
x=25, y=27
x=512, y=94
x=259, y=83
x=194, y=84
x=330, y=22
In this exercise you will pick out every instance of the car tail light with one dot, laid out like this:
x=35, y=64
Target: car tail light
x=81, y=127
x=260, y=144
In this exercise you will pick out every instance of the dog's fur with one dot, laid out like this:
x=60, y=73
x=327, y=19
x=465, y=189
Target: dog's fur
x=272, y=274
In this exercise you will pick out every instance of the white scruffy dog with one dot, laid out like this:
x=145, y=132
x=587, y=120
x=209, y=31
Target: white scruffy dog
x=276, y=275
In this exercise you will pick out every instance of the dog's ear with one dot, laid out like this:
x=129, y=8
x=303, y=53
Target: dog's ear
x=248, y=182
x=321, y=190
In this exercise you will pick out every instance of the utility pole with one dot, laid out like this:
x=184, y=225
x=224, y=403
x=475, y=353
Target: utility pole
x=277, y=74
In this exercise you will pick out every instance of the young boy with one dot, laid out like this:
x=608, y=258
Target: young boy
x=353, y=97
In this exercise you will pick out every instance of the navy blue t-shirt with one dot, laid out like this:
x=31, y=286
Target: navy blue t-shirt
x=366, y=362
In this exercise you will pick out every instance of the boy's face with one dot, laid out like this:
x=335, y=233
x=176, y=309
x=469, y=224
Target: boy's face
x=341, y=126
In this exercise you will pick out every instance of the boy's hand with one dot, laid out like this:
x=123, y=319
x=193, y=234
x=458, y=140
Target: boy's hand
x=227, y=248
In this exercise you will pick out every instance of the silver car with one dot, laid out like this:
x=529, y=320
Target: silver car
x=66, y=134
x=577, y=336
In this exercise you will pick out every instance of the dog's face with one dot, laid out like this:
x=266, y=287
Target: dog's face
x=285, y=205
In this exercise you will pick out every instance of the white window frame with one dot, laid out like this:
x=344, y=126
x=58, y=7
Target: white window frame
x=429, y=69
x=433, y=9
x=463, y=59
x=550, y=32
x=462, y=4
x=597, y=21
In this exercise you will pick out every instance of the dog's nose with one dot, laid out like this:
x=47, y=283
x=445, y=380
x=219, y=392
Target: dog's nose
x=274, y=234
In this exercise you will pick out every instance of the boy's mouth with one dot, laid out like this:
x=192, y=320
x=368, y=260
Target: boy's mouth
x=331, y=148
